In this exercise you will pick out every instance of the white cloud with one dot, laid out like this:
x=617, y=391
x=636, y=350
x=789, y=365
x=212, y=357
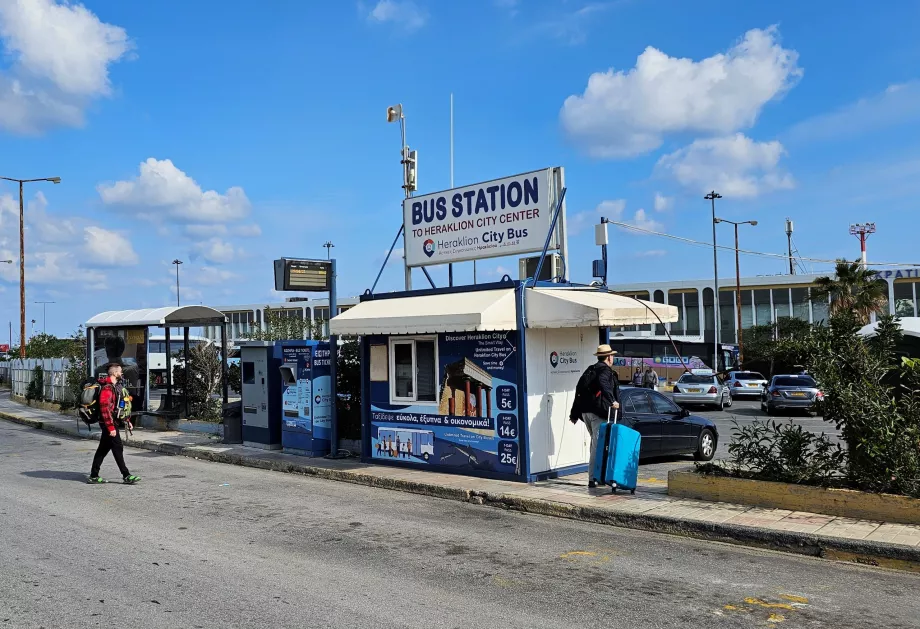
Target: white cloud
x=62, y=267
x=163, y=187
x=187, y=294
x=611, y=210
x=623, y=114
x=61, y=55
x=211, y=276
x=206, y=231
x=108, y=247
x=248, y=231
x=663, y=203
x=652, y=253
x=641, y=220
x=569, y=27
x=214, y=250
x=405, y=13
x=734, y=166
x=898, y=104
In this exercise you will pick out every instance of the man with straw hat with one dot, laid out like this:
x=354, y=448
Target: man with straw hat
x=596, y=395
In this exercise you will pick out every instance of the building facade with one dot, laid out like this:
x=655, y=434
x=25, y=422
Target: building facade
x=764, y=299
x=244, y=319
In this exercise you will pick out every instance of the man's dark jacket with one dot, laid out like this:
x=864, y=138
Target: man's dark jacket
x=599, y=395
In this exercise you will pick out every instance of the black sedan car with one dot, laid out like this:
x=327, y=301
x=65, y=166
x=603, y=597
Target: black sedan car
x=666, y=428
x=791, y=392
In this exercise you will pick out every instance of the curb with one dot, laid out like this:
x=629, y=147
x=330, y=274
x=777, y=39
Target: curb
x=877, y=554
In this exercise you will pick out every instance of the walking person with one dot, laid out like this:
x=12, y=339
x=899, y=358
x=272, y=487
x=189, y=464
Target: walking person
x=651, y=378
x=112, y=414
x=596, y=396
x=637, y=377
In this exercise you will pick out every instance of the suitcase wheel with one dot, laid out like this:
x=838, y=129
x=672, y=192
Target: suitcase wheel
x=613, y=489
x=633, y=492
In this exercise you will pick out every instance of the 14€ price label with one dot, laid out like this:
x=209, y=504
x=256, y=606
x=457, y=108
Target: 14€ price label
x=508, y=453
x=507, y=426
x=506, y=398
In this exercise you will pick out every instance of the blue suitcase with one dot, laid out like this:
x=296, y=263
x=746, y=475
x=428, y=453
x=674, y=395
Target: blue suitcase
x=616, y=462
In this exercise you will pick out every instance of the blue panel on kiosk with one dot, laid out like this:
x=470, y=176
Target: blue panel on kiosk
x=305, y=426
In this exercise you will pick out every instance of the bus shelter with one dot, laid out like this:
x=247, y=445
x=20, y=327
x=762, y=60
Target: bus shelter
x=122, y=336
x=480, y=380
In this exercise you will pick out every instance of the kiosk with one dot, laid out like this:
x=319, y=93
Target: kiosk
x=480, y=380
x=306, y=398
x=261, y=394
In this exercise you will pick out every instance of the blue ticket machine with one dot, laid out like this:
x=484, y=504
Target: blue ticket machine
x=306, y=397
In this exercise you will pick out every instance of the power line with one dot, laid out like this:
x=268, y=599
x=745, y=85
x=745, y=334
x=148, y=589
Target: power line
x=746, y=251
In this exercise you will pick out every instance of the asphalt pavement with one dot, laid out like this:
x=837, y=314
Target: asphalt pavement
x=199, y=544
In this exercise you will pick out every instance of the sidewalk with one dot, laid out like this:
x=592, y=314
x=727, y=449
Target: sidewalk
x=651, y=509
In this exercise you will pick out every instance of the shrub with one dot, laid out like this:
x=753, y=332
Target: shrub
x=235, y=377
x=204, y=370
x=36, y=388
x=785, y=453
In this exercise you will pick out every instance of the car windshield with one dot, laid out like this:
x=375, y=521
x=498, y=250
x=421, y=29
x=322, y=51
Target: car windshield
x=748, y=375
x=794, y=381
x=693, y=379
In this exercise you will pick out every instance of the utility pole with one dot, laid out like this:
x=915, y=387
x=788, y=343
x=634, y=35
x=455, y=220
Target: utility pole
x=328, y=245
x=738, y=285
x=44, y=315
x=717, y=315
x=410, y=175
x=22, y=259
x=862, y=231
x=177, y=262
x=789, y=238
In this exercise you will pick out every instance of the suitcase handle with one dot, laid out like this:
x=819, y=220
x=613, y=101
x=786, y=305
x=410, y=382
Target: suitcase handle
x=614, y=410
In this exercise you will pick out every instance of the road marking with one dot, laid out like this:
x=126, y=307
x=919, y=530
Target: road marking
x=766, y=605
x=575, y=554
x=775, y=618
x=795, y=599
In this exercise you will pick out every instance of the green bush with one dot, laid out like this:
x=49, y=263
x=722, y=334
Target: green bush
x=36, y=388
x=204, y=370
x=235, y=377
x=785, y=453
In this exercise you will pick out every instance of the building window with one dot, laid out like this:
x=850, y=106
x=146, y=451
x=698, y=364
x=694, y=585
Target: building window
x=643, y=295
x=692, y=312
x=819, y=309
x=762, y=312
x=708, y=318
x=800, y=303
x=904, y=299
x=414, y=370
x=727, y=300
x=781, y=303
x=676, y=300
x=747, y=309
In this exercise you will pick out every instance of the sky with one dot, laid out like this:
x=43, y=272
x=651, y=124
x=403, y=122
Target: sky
x=227, y=136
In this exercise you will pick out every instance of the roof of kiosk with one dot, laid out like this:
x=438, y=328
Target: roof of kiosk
x=175, y=316
x=490, y=310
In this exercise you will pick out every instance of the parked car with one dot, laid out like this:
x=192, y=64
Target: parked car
x=702, y=386
x=745, y=383
x=666, y=428
x=791, y=391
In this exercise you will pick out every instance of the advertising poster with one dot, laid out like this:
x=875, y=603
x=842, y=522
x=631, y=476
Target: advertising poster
x=128, y=348
x=472, y=425
x=502, y=217
x=319, y=391
x=293, y=411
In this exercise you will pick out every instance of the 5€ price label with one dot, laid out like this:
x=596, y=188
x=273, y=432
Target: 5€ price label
x=507, y=426
x=506, y=398
x=508, y=453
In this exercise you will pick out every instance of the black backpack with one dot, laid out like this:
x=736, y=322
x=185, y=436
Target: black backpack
x=587, y=392
x=88, y=403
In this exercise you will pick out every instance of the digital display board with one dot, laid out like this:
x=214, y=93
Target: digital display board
x=303, y=275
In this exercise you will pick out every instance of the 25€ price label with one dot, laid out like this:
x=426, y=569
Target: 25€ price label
x=506, y=398
x=507, y=426
x=508, y=453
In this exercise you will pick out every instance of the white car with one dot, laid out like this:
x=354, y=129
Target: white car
x=746, y=383
x=702, y=386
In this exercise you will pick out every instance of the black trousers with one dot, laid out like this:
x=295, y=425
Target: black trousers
x=108, y=443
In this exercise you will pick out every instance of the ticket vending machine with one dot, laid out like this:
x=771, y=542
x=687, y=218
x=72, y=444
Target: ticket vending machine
x=306, y=397
x=261, y=395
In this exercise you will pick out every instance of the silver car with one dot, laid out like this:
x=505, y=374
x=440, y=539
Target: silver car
x=702, y=386
x=791, y=392
x=746, y=383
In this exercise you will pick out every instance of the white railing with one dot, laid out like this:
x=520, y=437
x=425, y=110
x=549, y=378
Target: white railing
x=54, y=375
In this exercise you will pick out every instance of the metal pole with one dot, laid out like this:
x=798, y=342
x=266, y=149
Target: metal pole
x=224, y=378
x=177, y=286
x=716, y=310
x=450, y=266
x=169, y=382
x=188, y=359
x=405, y=160
x=738, y=303
x=22, y=278
x=791, y=267
x=333, y=369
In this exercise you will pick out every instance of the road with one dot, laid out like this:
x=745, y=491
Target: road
x=200, y=544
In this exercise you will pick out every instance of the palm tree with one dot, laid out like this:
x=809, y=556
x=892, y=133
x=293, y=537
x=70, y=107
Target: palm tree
x=852, y=288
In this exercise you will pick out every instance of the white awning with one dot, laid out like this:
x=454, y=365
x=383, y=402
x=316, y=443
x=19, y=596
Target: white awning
x=491, y=310
x=910, y=326
x=475, y=311
x=581, y=308
x=174, y=316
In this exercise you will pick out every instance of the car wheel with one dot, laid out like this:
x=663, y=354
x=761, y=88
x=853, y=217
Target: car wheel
x=731, y=401
x=426, y=456
x=706, y=446
x=770, y=411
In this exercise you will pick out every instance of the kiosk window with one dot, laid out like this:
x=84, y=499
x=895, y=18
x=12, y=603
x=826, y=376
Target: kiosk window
x=249, y=372
x=414, y=370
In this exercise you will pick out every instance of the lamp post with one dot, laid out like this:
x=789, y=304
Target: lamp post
x=22, y=258
x=737, y=282
x=410, y=181
x=44, y=315
x=177, y=262
x=328, y=245
x=716, y=314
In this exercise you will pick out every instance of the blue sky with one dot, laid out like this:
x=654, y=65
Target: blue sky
x=227, y=136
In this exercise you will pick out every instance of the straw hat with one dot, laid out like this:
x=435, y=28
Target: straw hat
x=603, y=351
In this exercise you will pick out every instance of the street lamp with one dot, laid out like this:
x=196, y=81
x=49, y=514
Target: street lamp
x=22, y=258
x=716, y=309
x=737, y=282
x=44, y=315
x=177, y=262
x=410, y=173
x=328, y=245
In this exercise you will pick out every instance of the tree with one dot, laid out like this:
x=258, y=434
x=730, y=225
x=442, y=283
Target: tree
x=278, y=326
x=852, y=288
x=204, y=372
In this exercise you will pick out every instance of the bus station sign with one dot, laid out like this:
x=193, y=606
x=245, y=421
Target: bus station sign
x=502, y=217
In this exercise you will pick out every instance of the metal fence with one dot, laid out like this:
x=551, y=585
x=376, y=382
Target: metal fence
x=54, y=376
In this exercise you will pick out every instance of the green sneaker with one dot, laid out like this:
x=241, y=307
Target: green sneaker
x=131, y=480
x=96, y=480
